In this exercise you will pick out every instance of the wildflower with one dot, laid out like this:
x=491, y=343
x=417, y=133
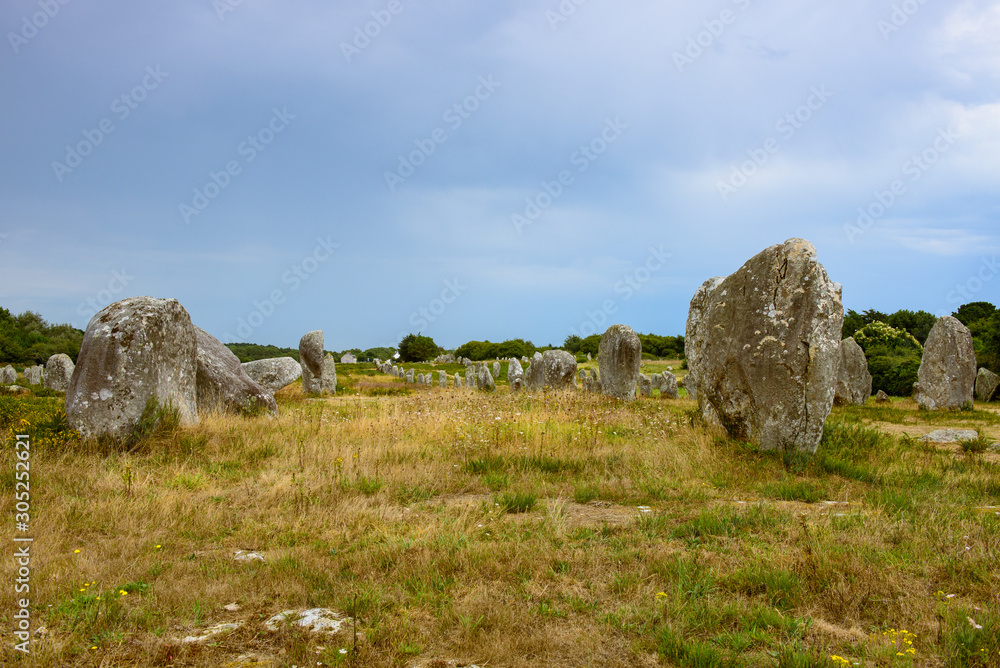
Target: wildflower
x=342, y=650
x=77, y=551
x=158, y=547
x=973, y=624
x=123, y=592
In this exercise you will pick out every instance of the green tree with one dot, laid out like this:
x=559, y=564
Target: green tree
x=893, y=357
x=417, y=348
x=917, y=323
x=379, y=353
x=974, y=311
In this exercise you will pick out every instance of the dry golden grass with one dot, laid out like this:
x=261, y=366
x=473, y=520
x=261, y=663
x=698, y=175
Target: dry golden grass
x=650, y=541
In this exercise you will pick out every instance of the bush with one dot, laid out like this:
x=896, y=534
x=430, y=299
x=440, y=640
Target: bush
x=893, y=372
x=417, y=348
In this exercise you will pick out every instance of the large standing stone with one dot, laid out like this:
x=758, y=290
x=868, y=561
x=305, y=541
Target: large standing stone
x=947, y=375
x=311, y=359
x=764, y=348
x=223, y=385
x=8, y=376
x=59, y=370
x=668, y=386
x=274, y=373
x=619, y=357
x=34, y=374
x=134, y=350
x=986, y=384
x=854, y=382
x=555, y=369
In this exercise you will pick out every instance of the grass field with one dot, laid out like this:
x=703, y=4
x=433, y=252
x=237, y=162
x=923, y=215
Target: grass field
x=455, y=528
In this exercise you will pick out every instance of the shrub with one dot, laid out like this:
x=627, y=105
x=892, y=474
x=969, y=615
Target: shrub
x=417, y=348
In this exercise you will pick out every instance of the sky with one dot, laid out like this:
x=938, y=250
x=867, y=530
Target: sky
x=484, y=171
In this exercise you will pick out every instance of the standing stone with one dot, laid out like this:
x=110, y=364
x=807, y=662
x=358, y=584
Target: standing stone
x=668, y=386
x=947, y=375
x=517, y=384
x=420, y=379
x=222, y=383
x=514, y=371
x=645, y=385
x=442, y=378
x=34, y=375
x=59, y=370
x=409, y=375
x=8, y=376
x=496, y=369
x=458, y=379
x=582, y=373
x=484, y=380
x=986, y=384
x=311, y=359
x=395, y=371
x=764, y=348
x=348, y=358
x=134, y=350
x=881, y=397
x=274, y=373
x=619, y=357
x=694, y=346
x=555, y=369
x=590, y=359
x=656, y=381
x=854, y=382
x=595, y=381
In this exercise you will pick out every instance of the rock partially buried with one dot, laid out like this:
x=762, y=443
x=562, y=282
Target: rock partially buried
x=274, y=373
x=881, y=397
x=947, y=375
x=348, y=358
x=8, y=375
x=619, y=357
x=223, y=385
x=59, y=370
x=135, y=350
x=645, y=384
x=950, y=435
x=764, y=348
x=987, y=383
x=317, y=620
x=854, y=382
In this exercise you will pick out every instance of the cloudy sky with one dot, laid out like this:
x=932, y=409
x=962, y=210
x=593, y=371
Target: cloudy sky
x=529, y=168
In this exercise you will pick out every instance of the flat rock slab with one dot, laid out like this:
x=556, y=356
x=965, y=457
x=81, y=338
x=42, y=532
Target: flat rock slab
x=950, y=435
x=317, y=620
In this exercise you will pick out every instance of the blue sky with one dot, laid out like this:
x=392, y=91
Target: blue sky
x=532, y=168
